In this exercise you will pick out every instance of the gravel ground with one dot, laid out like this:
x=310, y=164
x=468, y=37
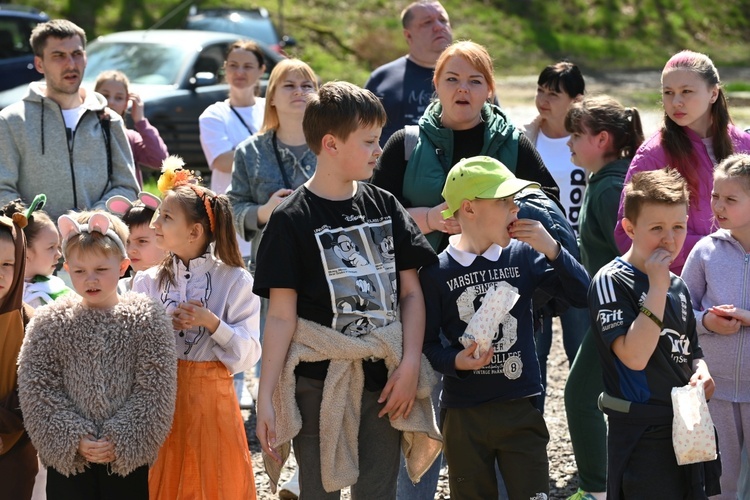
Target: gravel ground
x=563, y=472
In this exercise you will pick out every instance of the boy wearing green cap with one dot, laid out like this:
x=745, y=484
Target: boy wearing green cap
x=478, y=295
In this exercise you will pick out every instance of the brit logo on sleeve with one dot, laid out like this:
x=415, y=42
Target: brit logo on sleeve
x=611, y=317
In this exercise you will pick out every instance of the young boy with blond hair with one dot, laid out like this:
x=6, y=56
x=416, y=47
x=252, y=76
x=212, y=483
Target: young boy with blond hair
x=338, y=261
x=492, y=269
x=96, y=433
x=645, y=334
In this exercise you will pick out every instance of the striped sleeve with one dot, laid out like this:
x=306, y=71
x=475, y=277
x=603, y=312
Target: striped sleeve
x=605, y=290
x=612, y=305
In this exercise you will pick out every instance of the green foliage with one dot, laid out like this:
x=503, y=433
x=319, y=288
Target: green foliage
x=346, y=39
x=149, y=185
x=737, y=86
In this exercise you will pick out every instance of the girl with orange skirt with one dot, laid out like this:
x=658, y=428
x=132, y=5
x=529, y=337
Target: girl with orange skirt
x=205, y=288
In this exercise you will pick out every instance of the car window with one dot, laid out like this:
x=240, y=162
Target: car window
x=146, y=63
x=14, y=37
x=256, y=29
x=211, y=59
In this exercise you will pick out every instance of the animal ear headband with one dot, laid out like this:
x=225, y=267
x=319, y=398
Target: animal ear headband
x=36, y=204
x=98, y=222
x=119, y=205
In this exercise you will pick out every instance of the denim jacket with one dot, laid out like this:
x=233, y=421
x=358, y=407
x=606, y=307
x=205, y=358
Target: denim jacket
x=256, y=177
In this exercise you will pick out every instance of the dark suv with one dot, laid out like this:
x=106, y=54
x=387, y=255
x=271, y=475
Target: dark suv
x=16, y=56
x=254, y=24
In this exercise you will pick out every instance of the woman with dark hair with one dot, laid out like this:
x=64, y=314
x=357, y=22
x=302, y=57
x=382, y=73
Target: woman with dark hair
x=558, y=87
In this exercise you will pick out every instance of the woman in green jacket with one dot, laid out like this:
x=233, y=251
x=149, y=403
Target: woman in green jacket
x=461, y=123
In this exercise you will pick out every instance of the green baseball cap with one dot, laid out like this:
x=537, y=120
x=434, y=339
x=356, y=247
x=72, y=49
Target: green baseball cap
x=480, y=177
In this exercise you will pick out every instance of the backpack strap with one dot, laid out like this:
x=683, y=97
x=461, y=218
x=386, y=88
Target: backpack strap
x=411, y=137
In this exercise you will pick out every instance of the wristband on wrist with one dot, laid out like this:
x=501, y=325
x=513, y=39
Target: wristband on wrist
x=652, y=317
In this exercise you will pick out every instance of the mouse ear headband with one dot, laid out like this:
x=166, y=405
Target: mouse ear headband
x=99, y=223
x=119, y=205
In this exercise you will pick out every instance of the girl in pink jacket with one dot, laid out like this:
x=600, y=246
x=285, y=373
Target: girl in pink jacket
x=696, y=135
x=147, y=145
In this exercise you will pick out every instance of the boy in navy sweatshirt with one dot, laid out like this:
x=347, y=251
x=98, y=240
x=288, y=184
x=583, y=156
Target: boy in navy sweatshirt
x=487, y=406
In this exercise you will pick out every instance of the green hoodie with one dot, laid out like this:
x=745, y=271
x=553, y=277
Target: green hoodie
x=599, y=215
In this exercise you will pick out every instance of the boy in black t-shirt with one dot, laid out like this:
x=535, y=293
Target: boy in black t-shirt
x=487, y=402
x=647, y=342
x=338, y=260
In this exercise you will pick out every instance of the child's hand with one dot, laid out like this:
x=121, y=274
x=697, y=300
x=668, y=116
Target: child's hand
x=657, y=268
x=719, y=319
x=98, y=451
x=400, y=390
x=193, y=313
x=465, y=360
x=136, y=107
x=265, y=429
x=701, y=373
x=532, y=232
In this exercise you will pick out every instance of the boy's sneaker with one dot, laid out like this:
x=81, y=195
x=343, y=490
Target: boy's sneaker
x=290, y=489
x=584, y=495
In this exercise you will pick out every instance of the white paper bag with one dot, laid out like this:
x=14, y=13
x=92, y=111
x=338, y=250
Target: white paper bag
x=496, y=304
x=693, y=435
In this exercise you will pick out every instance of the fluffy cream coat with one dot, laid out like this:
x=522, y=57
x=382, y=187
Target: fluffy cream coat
x=105, y=372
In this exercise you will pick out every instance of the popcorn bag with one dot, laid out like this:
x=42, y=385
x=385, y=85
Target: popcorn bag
x=693, y=435
x=496, y=304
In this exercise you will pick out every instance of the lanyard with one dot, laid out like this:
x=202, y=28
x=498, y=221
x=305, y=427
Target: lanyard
x=287, y=184
x=240, y=118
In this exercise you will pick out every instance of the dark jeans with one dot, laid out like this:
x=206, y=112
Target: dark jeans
x=18, y=468
x=426, y=487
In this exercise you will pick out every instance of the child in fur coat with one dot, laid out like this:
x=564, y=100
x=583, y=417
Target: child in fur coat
x=97, y=433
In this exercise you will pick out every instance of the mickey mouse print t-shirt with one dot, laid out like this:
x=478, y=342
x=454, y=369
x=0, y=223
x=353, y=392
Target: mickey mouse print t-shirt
x=341, y=257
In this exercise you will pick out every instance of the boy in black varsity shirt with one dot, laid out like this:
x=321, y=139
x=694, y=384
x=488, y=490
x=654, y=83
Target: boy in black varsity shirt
x=487, y=410
x=645, y=333
x=338, y=260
